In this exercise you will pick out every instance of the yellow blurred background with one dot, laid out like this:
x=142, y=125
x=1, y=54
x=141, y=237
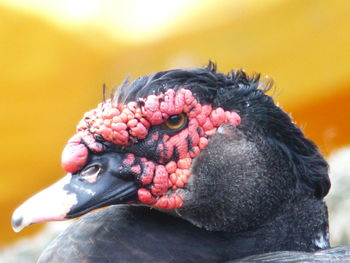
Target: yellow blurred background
x=56, y=55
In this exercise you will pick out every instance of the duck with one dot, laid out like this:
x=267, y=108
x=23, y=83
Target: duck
x=190, y=165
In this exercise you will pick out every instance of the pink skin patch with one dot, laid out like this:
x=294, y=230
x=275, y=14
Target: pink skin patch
x=130, y=159
x=74, y=155
x=126, y=124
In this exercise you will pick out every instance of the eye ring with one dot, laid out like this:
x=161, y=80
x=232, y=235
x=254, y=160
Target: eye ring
x=175, y=122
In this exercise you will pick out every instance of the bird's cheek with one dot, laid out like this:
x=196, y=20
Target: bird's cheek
x=160, y=183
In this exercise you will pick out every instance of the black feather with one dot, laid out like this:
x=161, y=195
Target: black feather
x=246, y=95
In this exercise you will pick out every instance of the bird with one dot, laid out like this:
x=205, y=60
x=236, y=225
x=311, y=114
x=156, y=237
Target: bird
x=190, y=165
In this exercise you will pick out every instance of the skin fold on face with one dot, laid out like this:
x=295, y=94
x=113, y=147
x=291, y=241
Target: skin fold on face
x=173, y=124
x=152, y=143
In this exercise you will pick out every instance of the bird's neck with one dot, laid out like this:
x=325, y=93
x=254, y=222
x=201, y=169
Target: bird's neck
x=298, y=226
x=141, y=234
x=301, y=225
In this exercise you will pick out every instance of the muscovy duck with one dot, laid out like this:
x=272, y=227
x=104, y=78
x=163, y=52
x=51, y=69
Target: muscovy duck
x=196, y=166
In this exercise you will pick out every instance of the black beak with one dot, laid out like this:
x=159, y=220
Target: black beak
x=104, y=181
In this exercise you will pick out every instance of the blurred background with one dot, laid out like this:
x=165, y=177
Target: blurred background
x=56, y=55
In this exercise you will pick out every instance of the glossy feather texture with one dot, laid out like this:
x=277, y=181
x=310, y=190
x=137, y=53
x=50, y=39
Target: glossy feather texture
x=140, y=234
x=256, y=185
x=339, y=254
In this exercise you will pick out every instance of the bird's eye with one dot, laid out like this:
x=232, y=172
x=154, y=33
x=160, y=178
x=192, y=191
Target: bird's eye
x=91, y=171
x=175, y=122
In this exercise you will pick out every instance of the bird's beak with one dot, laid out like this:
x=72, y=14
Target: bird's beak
x=75, y=195
x=51, y=204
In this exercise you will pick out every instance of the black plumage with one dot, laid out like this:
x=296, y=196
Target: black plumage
x=257, y=187
x=246, y=95
x=141, y=234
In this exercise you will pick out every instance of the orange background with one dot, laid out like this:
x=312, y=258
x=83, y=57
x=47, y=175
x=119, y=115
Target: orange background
x=52, y=70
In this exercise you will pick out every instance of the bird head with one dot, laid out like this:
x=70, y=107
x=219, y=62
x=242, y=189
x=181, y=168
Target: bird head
x=208, y=147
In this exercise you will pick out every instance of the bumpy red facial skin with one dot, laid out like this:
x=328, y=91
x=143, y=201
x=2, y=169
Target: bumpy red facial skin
x=127, y=124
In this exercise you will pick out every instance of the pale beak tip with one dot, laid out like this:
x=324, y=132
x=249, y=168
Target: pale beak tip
x=17, y=221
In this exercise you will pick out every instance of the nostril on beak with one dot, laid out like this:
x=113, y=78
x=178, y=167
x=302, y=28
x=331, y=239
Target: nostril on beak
x=17, y=223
